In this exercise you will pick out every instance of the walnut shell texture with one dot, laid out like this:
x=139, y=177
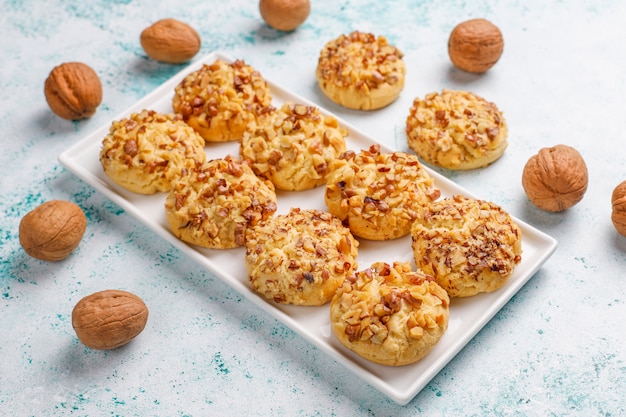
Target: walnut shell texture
x=73, y=91
x=475, y=45
x=170, y=41
x=284, y=15
x=618, y=214
x=556, y=178
x=109, y=319
x=52, y=230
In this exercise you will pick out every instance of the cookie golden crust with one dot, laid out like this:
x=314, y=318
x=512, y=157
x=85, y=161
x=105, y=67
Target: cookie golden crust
x=456, y=130
x=379, y=195
x=215, y=204
x=294, y=146
x=301, y=257
x=219, y=100
x=361, y=71
x=145, y=152
x=389, y=314
x=470, y=246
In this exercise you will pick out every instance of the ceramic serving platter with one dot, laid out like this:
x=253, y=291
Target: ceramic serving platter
x=401, y=384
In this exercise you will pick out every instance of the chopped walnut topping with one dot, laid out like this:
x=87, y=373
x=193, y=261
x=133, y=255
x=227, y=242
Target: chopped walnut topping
x=390, y=314
x=361, y=71
x=220, y=99
x=229, y=196
x=371, y=61
x=294, y=146
x=456, y=130
x=130, y=148
x=379, y=194
x=307, y=264
x=468, y=245
x=145, y=152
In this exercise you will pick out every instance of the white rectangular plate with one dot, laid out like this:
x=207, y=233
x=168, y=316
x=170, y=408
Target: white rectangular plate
x=467, y=316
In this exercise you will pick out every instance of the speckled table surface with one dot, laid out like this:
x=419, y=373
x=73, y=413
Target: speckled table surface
x=557, y=348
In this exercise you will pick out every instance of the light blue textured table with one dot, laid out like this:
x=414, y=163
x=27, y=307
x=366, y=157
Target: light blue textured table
x=557, y=348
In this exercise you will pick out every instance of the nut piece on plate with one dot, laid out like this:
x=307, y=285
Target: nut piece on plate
x=285, y=15
x=109, y=319
x=53, y=230
x=73, y=91
x=170, y=41
x=475, y=45
x=556, y=178
x=618, y=215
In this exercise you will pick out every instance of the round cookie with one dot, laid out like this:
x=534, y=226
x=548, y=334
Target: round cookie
x=301, y=257
x=379, y=195
x=219, y=100
x=361, y=71
x=145, y=152
x=456, y=130
x=294, y=146
x=215, y=204
x=389, y=314
x=470, y=246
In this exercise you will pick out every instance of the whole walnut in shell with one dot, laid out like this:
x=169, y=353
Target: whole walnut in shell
x=170, y=41
x=52, y=230
x=109, y=319
x=556, y=178
x=618, y=214
x=475, y=45
x=73, y=91
x=285, y=15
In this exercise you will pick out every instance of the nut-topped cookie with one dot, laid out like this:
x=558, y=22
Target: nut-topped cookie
x=456, y=130
x=145, y=152
x=220, y=99
x=361, y=71
x=470, y=246
x=294, y=146
x=301, y=257
x=214, y=205
x=379, y=195
x=390, y=314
